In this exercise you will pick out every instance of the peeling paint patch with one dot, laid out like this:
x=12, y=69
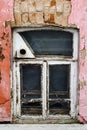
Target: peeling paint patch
x=2, y=57
x=83, y=83
x=83, y=53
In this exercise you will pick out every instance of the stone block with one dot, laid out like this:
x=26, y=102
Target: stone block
x=39, y=5
x=65, y=21
x=46, y=14
x=30, y=1
x=25, y=17
x=32, y=18
x=17, y=18
x=17, y=1
x=17, y=7
x=39, y=18
x=58, y=18
x=47, y=3
x=53, y=3
x=51, y=20
x=52, y=10
x=67, y=8
x=24, y=6
x=31, y=8
x=59, y=7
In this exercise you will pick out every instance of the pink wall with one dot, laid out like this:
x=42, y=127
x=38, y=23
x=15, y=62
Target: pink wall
x=6, y=14
x=79, y=18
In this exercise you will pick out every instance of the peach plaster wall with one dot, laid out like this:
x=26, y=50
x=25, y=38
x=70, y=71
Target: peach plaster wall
x=6, y=14
x=78, y=17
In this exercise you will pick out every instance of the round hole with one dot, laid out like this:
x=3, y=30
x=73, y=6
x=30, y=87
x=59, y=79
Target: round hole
x=23, y=51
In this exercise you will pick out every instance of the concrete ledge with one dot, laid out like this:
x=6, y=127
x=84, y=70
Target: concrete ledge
x=43, y=127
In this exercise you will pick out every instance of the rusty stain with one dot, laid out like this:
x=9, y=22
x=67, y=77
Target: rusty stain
x=34, y=14
x=53, y=3
x=5, y=36
x=34, y=4
x=1, y=54
x=51, y=18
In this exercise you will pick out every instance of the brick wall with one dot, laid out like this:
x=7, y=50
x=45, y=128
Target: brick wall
x=41, y=12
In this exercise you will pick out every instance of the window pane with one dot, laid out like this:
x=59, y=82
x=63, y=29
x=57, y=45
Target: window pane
x=59, y=107
x=59, y=81
x=31, y=108
x=49, y=42
x=31, y=80
x=31, y=89
x=59, y=89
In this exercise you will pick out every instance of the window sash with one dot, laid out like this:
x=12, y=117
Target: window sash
x=45, y=87
x=19, y=41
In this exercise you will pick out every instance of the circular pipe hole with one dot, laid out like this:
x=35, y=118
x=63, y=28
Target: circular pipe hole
x=23, y=51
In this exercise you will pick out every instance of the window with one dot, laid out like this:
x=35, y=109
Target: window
x=44, y=74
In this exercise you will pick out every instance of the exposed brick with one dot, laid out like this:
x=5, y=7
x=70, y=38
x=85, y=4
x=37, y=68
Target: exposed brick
x=24, y=6
x=47, y=3
x=53, y=2
x=42, y=11
x=67, y=8
x=31, y=1
x=39, y=5
x=59, y=7
x=65, y=21
x=51, y=18
x=57, y=1
x=39, y=18
x=52, y=10
x=32, y=17
x=17, y=18
x=58, y=18
x=17, y=1
x=46, y=14
x=31, y=8
x=25, y=17
x=17, y=7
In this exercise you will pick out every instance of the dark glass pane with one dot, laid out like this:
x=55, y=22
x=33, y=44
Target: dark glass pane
x=30, y=80
x=30, y=95
x=31, y=108
x=49, y=42
x=59, y=107
x=59, y=81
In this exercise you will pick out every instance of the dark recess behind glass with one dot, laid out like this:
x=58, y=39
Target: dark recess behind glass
x=49, y=42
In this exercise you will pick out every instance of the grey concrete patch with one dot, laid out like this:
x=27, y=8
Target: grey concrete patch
x=43, y=127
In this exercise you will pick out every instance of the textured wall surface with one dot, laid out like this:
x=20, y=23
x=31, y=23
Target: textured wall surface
x=33, y=12
x=79, y=17
x=6, y=11
x=41, y=12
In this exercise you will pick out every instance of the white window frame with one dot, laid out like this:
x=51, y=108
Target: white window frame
x=73, y=62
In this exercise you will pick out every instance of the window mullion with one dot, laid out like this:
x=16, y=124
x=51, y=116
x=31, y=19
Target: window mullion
x=44, y=94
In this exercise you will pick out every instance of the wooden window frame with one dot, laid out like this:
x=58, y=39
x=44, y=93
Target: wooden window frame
x=45, y=62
